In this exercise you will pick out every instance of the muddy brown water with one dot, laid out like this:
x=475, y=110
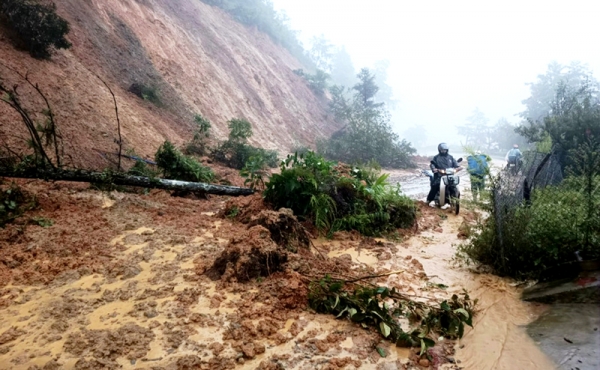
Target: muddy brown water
x=77, y=317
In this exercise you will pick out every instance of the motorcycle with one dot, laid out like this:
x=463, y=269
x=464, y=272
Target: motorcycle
x=513, y=166
x=449, y=192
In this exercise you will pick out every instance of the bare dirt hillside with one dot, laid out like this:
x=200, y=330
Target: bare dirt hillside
x=199, y=59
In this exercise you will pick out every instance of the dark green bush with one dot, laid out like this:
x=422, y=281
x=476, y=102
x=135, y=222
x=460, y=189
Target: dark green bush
x=13, y=203
x=177, y=166
x=37, y=25
x=149, y=93
x=356, y=199
x=235, y=152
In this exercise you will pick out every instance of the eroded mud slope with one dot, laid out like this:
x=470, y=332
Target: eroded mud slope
x=196, y=57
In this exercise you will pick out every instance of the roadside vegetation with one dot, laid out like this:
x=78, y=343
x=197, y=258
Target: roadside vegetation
x=546, y=233
x=337, y=197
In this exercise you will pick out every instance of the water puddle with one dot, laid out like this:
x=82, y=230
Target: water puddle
x=358, y=256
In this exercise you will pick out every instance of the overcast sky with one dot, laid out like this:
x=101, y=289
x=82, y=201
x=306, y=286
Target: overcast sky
x=449, y=57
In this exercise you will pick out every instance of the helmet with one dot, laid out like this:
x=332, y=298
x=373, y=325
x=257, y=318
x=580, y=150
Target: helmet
x=443, y=148
x=516, y=146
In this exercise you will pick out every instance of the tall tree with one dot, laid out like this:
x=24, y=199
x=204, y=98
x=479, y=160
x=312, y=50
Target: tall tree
x=543, y=91
x=368, y=134
x=366, y=89
x=574, y=118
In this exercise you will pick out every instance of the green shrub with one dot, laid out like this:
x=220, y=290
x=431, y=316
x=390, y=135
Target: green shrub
x=359, y=199
x=317, y=81
x=235, y=152
x=141, y=168
x=535, y=238
x=37, y=25
x=198, y=145
x=177, y=166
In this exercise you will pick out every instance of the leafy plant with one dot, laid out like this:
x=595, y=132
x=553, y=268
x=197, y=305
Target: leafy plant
x=233, y=212
x=177, y=166
x=201, y=134
x=37, y=25
x=381, y=308
x=236, y=151
x=338, y=198
x=43, y=221
x=254, y=171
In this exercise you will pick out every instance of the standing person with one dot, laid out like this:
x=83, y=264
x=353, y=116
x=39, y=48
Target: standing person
x=441, y=161
x=478, y=169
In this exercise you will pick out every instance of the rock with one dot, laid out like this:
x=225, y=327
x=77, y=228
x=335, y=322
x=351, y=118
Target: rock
x=249, y=351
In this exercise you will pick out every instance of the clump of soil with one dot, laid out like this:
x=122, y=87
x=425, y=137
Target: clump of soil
x=285, y=229
x=243, y=208
x=249, y=256
x=130, y=340
x=263, y=249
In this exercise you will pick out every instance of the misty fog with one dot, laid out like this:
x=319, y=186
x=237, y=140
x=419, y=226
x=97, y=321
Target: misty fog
x=446, y=62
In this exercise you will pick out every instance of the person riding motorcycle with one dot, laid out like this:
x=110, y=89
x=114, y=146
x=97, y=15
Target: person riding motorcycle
x=441, y=161
x=513, y=157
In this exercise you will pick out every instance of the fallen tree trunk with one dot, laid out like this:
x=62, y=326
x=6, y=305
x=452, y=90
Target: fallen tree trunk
x=126, y=180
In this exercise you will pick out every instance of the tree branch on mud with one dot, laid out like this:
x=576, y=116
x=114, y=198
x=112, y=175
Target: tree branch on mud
x=124, y=179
